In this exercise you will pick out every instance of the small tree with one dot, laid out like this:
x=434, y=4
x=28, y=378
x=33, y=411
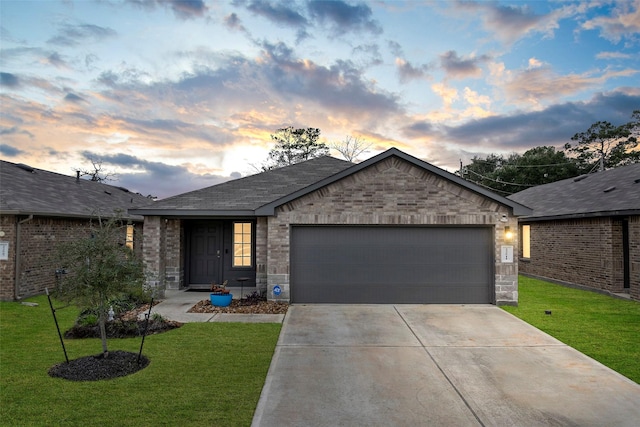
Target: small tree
x=295, y=146
x=351, y=147
x=101, y=267
x=97, y=172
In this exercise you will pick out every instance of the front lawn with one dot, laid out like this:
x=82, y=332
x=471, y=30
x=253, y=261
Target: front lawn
x=201, y=374
x=602, y=327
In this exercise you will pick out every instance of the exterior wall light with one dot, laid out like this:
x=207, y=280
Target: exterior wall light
x=508, y=234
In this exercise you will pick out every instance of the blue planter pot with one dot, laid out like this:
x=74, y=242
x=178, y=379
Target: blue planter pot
x=218, y=300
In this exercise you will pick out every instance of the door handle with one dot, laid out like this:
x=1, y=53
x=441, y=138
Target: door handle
x=218, y=253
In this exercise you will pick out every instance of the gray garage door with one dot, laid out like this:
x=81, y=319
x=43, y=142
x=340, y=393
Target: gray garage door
x=378, y=265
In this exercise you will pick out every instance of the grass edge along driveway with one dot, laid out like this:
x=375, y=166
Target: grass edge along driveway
x=604, y=328
x=201, y=374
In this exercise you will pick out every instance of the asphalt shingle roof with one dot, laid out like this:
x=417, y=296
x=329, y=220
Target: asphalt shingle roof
x=251, y=192
x=25, y=191
x=611, y=192
x=259, y=194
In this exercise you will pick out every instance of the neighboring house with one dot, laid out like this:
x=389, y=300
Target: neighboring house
x=392, y=229
x=585, y=231
x=39, y=209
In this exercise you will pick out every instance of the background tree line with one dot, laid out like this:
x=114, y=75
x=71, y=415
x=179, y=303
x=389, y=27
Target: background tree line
x=602, y=146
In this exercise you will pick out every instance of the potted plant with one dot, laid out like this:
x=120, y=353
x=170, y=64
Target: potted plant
x=220, y=295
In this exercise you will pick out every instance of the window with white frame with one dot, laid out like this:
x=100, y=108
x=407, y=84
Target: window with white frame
x=526, y=241
x=242, y=244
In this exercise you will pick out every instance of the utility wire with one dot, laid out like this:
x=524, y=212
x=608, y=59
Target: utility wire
x=498, y=181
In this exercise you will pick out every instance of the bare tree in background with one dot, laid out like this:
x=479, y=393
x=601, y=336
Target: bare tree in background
x=351, y=147
x=97, y=173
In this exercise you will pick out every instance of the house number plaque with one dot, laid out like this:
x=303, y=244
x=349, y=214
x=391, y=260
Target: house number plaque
x=506, y=254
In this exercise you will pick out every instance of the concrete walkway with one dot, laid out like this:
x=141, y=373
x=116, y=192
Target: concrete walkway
x=434, y=365
x=176, y=304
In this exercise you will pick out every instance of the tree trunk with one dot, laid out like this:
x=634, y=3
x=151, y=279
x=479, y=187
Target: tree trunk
x=103, y=330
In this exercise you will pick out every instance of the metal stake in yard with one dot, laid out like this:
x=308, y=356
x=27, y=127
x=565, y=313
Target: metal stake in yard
x=146, y=326
x=55, y=319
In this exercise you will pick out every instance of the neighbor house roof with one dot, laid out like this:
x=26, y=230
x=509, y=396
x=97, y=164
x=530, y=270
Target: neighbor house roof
x=262, y=193
x=29, y=191
x=611, y=192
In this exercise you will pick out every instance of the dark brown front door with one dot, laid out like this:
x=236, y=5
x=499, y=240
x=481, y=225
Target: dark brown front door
x=205, y=254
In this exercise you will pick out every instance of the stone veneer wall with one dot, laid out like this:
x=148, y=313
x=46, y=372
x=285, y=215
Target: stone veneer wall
x=154, y=251
x=261, y=254
x=585, y=252
x=174, y=254
x=392, y=192
x=37, y=239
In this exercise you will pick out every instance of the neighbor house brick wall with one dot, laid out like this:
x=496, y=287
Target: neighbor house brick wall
x=32, y=248
x=392, y=192
x=7, y=267
x=586, y=252
x=634, y=257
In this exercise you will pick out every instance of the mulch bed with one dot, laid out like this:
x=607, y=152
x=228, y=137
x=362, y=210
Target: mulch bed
x=243, y=307
x=94, y=368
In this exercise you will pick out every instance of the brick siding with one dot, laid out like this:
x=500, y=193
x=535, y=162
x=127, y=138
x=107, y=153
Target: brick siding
x=391, y=192
x=38, y=238
x=585, y=252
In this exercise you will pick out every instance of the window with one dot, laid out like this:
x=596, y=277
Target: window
x=526, y=241
x=242, y=249
x=129, y=241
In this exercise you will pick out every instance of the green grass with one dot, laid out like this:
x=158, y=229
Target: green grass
x=604, y=328
x=202, y=374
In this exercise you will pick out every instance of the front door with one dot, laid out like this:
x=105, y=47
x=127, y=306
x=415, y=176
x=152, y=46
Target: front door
x=205, y=253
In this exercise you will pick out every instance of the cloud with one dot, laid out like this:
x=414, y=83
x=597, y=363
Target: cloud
x=508, y=23
x=73, y=35
x=624, y=22
x=447, y=93
x=408, y=72
x=459, y=68
x=183, y=9
x=9, y=80
x=554, y=125
x=536, y=85
x=232, y=21
x=56, y=60
x=613, y=55
x=343, y=17
x=281, y=13
x=73, y=98
x=8, y=150
x=155, y=178
x=340, y=86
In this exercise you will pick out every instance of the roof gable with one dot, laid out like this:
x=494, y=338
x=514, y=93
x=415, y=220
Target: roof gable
x=262, y=193
x=518, y=209
x=25, y=191
x=611, y=192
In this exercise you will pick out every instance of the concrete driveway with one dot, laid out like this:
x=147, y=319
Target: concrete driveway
x=434, y=365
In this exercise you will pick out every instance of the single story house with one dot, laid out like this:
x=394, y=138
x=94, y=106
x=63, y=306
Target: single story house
x=392, y=229
x=39, y=209
x=585, y=231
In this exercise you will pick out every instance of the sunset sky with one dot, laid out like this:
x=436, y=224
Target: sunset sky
x=178, y=95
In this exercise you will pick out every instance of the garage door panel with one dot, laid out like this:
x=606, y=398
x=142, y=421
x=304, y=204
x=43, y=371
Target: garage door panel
x=391, y=265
